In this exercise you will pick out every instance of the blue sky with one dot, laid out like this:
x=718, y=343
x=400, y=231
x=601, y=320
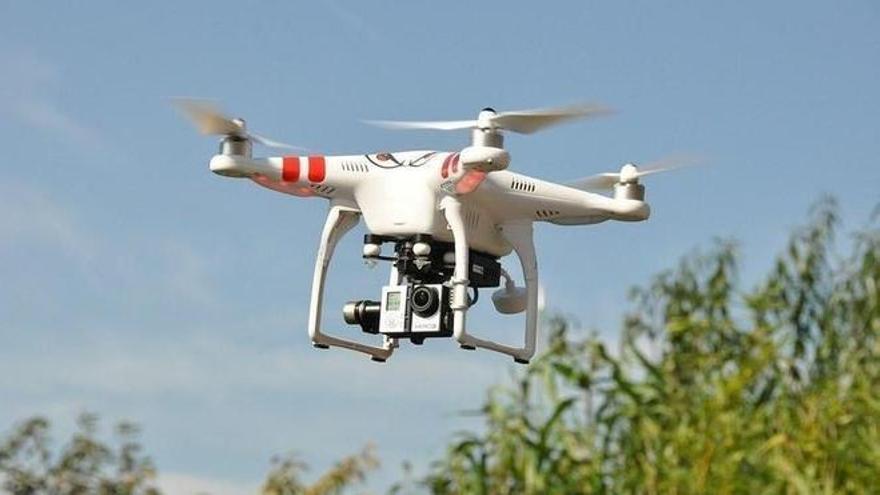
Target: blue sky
x=136, y=284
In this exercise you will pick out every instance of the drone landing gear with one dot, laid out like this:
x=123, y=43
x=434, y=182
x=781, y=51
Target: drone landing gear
x=519, y=235
x=340, y=220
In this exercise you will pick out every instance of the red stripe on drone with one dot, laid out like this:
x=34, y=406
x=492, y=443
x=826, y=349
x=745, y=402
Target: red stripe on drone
x=317, y=169
x=290, y=169
x=445, y=170
x=470, y=181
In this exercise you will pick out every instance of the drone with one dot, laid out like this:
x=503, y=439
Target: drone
x=449, y=218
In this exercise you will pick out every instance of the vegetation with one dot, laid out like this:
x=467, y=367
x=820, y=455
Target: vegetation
x=286, y=473
x=85, y=465
x=713, y=389
x=88, y=466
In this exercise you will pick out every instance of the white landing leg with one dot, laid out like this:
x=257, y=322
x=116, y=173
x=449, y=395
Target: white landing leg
x=520, y=237
x=340, y=220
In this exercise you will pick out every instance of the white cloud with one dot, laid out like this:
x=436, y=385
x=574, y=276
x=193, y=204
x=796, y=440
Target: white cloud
x=28, y=85
x=30, y=216
x=187, y=271
x=47, y=115
x=213, y=366
x=127, y=268
x=351, y=19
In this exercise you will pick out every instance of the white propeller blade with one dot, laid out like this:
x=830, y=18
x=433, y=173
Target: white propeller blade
x=273, y=144
x=597, y=182
x=631, y=173
x=529, y=121
x=443, y=125
x=209, y=120
x=521, y=121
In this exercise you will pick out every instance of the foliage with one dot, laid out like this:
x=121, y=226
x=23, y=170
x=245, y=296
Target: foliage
x=284, y=478
x=85, y=465
x=714, y=389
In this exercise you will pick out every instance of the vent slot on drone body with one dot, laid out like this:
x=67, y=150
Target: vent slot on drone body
x=545, y=214
x=322, y=189
x=355, y=167
x=522, y=185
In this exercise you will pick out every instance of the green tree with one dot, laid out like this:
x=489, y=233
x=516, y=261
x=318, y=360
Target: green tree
x=714, y=388
x=88, y=466
x=85, y=465
x=284, y=477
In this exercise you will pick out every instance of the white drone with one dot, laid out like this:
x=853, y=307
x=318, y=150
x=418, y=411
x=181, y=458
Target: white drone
x=450, y=216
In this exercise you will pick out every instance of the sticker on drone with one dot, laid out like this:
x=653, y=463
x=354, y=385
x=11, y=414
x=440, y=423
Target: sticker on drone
x=292, y=166
x=451, y=162
x=382, y=160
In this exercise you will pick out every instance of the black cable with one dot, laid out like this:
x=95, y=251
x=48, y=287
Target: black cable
x=475, y=298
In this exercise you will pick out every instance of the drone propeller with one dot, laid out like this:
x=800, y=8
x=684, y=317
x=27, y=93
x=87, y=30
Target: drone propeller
x=209, y=120
x=630, y=173
x=521, y=121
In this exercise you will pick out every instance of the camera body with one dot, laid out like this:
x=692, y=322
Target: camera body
x=415, y=311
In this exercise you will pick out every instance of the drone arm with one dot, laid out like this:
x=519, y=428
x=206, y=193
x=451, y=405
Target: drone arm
x=330, y=177
x=520, y=236
x=621, y=209
x=340, y=220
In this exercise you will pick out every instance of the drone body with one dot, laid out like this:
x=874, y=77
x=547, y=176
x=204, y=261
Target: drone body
x=450, y=216
x=399, y=194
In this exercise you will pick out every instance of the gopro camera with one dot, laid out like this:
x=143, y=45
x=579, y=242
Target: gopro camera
x=415, y=311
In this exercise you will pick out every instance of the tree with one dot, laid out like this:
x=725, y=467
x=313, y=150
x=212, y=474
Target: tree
x=85, y=465
x=715, y=388
x=284, y=478
x=88, y=466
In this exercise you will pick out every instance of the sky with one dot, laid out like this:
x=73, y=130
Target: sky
x=136, y=284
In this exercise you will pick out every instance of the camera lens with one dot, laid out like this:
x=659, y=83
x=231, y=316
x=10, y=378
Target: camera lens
x=363, y=313
x=425, y=301
x=422, y=298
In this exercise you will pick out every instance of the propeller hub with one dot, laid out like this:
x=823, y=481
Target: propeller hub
x=484, y=119
x=629, y=174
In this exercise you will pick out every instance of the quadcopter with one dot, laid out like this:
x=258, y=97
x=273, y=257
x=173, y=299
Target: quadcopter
x=449, y=218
